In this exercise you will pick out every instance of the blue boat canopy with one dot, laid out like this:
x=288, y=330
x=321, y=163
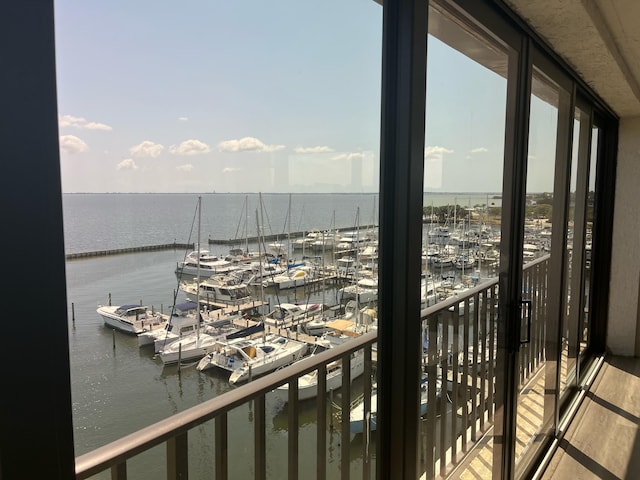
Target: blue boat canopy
x=127, y=307
x=183, y=307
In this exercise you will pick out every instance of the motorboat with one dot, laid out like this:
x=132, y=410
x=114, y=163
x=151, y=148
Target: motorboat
x=182, y=322
x=294, y=277
x=308, y=383
x=223, y=289
x=130, y=318
x=285, y=315
x=357, y=414
x=365, y=290
x=195, y=345
x=205, y=265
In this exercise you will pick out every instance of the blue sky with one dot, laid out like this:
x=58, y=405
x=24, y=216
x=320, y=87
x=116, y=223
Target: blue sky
x=213, y=95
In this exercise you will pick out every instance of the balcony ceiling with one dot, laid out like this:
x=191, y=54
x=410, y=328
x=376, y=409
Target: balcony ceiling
x=600, y=39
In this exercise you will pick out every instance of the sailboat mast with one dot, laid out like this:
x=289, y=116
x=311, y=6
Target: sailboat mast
x=289, y=231
x=198, y=270
x=260, y=263
x=246, y=224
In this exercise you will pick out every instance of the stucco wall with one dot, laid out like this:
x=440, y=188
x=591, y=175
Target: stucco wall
x=623, y=331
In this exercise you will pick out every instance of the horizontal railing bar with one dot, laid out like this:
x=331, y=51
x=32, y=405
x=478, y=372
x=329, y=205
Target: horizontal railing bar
x=451, y=301
x=126, y=447
x=454, y=300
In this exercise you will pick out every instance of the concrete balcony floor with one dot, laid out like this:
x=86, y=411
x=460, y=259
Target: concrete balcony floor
x=603, y=441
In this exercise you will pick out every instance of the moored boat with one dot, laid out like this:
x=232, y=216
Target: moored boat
x=130, y=318
x=246, y=358
x=357, y=415
x=308, y=383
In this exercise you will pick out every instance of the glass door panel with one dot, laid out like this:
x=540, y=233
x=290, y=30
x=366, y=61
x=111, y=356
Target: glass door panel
x=462, y=216
x=575, y=252
x=584, y=327
x=537, y=370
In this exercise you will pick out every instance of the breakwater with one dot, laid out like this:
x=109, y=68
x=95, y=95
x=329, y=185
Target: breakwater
x=119, y=251
x=283, y=236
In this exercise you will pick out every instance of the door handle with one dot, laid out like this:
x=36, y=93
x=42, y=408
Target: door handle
x=527, y=303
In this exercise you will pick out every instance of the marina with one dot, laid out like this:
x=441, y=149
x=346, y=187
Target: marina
x=112, y=369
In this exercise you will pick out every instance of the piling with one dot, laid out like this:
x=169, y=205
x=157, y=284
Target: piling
x=114, y=338
x=109, y=299
x=73, y=313
x=179, y=357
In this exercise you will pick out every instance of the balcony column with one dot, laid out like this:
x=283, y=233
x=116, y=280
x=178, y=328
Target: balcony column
x=404, y=59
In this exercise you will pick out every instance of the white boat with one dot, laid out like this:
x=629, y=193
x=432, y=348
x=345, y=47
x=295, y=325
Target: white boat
x=130, y=318
x=365, y=290
x=285, y=315
x=182, y=320
x=307, y=241
x=195, y=345
x=352, y=240
x=225, y=289
x=208, y=265
x=295, y=277
x=308, y=383
x=248, y=358
x=184, y=325
x=255, y=273
x=357, y=414
x=346, y=266
x=325, y=240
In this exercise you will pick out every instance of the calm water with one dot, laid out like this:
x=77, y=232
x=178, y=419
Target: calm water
x=109, y=221
x=119, y=390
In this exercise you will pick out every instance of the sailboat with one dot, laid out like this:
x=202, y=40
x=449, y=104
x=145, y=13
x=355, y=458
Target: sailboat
x=308, y=383
x=195, y=345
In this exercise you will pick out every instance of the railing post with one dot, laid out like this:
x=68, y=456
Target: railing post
x=366, y=454
x=119, y=472
x=292, y=433
x=260, y=441
x=221, y=448
x=178, y=457
x=321, y=440
x=345, y=392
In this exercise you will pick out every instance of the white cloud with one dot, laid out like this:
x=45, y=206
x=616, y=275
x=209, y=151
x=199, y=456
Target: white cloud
x=127, y=164
x=230, y=169
x=190, y=147
x=479, y=150
x=348, y=156
x=185, y=168
x=248, y=144
x=435, y=150
x=318, y=149
x=79, y=122
x=97, y=126
x=146, y=149
x=72, y=144
x=183, y=119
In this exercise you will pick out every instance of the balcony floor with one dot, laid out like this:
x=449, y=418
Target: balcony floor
x=603, y=441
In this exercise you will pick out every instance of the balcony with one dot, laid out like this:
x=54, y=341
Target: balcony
x=459, y=339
